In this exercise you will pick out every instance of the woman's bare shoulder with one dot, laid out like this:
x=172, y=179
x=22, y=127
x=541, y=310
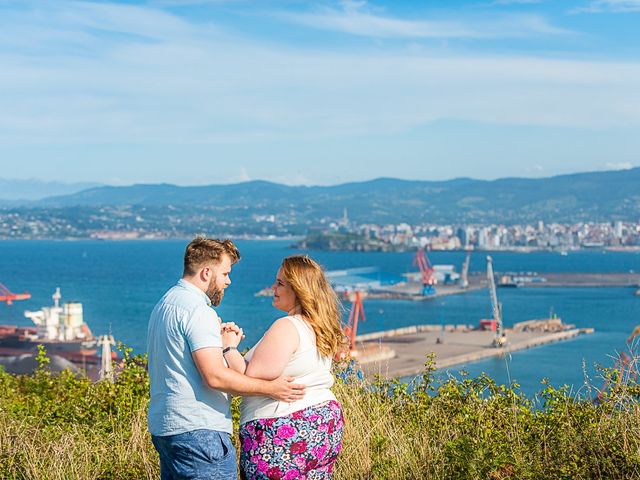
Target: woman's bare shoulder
x=281, y=336
x=283, y=326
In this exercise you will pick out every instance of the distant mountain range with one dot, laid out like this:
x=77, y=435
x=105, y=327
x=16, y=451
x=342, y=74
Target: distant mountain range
x=21, y=191
x=597, y=196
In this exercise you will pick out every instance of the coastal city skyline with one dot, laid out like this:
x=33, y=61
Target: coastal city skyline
x=270, y=210
x=198, y=92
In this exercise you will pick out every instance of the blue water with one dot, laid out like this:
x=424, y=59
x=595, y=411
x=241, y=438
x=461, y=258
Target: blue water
x=119, y=283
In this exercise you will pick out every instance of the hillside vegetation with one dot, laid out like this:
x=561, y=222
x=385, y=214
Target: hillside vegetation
x=65, y=427
x=593, y=196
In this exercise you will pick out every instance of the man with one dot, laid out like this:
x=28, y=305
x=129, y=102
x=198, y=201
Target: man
x=189, y=412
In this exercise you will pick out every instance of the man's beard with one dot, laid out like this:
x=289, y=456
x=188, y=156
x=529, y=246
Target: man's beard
x=215, y=294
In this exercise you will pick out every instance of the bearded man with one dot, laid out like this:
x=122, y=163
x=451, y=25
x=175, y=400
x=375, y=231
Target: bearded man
x=189, y=414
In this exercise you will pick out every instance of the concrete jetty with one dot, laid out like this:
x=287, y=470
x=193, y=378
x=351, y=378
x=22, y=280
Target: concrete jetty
x=402, y=352
x=604, y=280
x=411, y=290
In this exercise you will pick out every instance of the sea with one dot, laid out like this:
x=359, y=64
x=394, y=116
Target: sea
x=119, y=282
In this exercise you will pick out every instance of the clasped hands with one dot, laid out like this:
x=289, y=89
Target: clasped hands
x=232, y=334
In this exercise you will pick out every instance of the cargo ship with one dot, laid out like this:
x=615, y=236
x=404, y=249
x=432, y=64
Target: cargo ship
x=59, y=328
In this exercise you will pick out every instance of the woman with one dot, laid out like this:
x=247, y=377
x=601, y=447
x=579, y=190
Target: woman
x=300, y=439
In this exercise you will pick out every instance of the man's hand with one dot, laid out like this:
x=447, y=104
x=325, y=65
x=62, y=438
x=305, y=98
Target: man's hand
x=284, y=390
x=229, y=326
x=232, y=335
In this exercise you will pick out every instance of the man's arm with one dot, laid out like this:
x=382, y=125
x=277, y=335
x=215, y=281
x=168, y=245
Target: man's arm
x=217, y=376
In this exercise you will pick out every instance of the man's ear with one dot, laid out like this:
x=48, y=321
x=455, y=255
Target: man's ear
x=205, y=274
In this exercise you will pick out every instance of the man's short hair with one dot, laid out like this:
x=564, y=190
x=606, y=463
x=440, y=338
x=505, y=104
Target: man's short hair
x=202, y=251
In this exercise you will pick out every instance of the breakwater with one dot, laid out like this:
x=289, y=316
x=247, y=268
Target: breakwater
x=411, y=290
x=402, y=352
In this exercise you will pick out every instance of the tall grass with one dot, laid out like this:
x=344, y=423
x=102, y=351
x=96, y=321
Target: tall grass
x=65, y=427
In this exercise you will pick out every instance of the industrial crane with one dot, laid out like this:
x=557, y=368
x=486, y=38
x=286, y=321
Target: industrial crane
x=500, y=338
x=355, y=314
x=464, y=275
x=9, y=297
x=426, y=273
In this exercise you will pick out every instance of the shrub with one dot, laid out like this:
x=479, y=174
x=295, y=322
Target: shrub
x=64, y=426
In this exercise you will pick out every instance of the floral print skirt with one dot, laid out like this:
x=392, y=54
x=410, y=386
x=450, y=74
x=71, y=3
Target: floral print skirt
x=303, y=445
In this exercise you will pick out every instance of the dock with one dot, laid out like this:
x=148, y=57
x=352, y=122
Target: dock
x=411, y=290
x=402, y=352
x=376, y=284
x=604, y=280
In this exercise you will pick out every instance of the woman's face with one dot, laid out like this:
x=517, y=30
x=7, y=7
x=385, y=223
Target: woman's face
x=283, y=296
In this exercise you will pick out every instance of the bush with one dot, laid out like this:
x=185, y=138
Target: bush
x=64, y=426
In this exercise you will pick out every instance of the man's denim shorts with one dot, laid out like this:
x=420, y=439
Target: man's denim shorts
x=200, y=454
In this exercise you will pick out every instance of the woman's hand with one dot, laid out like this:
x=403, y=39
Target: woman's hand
x=231, y=334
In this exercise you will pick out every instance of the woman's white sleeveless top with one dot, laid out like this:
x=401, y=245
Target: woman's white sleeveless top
x=307, y=366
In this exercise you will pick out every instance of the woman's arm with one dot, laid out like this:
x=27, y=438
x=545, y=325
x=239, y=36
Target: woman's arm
x=235, y=361
x=274, y=350
x=231, y=337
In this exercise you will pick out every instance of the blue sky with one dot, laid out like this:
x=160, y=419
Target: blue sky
x=215, y=91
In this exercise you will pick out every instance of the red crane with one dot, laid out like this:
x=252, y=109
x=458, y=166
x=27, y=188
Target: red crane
x=355, y=314
x=427, y=272
x=9, y=297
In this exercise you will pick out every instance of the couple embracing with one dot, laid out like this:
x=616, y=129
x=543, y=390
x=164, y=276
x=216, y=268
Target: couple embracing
x=290, y=424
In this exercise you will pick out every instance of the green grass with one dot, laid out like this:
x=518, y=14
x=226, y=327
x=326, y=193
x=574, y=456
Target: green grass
x=66, y=427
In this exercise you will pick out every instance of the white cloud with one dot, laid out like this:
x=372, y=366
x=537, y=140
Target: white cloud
x=149, y=77
x=293, y=179
x=534, y=169
x=617, y=6
x=244, y=175
x=515, y=2
x=619, y=166
x=356, y=18
x=119, y=181
x=187, y=3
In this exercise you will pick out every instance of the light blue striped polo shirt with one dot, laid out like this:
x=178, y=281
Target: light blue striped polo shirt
x=182, y=322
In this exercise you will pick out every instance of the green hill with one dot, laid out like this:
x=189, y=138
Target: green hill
x=595, y=196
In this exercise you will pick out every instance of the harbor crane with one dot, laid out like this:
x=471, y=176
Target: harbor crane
x=9, y=297
x=500, y=338
x=356, y=314
x=106, y=370
x=464, y=275
x=427, y=272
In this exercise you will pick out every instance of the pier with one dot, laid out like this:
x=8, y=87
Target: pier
x=380, y=285
x=402, y=352
x=411, y=290
x=604, y=280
